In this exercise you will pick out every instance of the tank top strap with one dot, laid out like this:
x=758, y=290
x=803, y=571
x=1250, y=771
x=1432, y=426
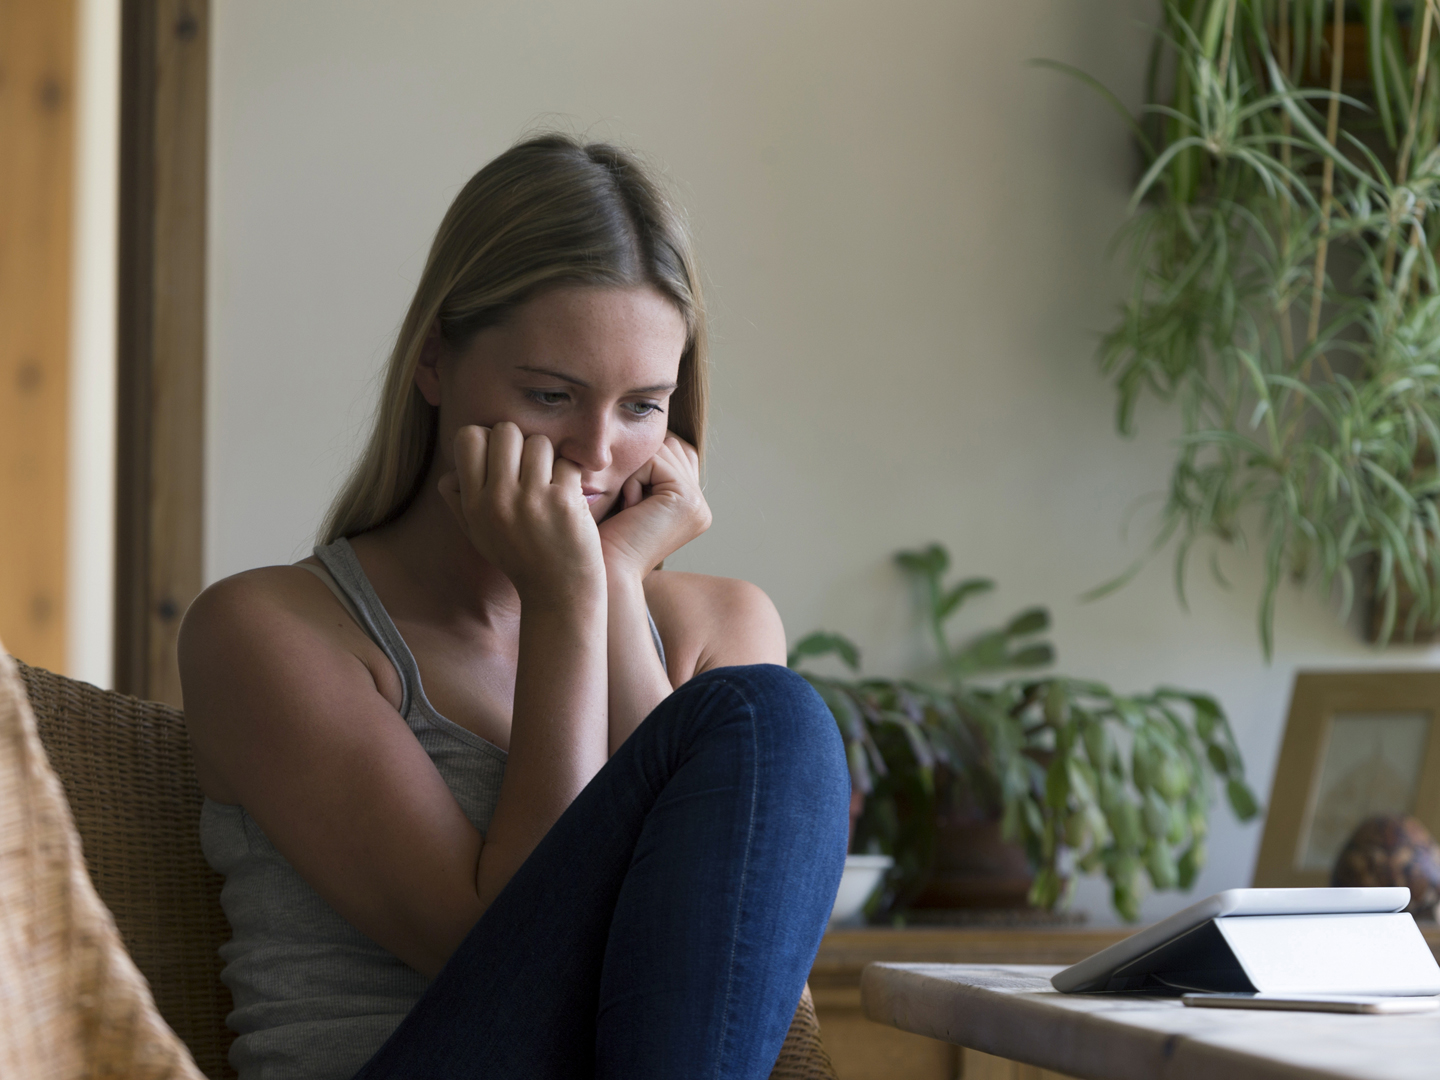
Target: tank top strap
x=655, y=637
x=340, y=559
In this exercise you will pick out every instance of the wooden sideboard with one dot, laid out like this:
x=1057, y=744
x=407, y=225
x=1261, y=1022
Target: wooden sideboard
x=863, y=1050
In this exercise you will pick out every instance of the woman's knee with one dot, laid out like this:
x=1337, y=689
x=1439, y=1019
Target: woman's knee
x=792, y=720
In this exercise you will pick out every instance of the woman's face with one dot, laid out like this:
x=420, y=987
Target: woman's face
x=589, y=367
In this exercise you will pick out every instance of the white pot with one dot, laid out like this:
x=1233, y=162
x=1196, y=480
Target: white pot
x=863, y=875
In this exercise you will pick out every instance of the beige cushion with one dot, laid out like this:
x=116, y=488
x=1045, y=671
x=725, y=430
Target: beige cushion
x=72, y=1005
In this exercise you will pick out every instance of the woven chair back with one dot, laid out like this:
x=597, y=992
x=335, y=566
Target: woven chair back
x=129, y=777
x=130, y=780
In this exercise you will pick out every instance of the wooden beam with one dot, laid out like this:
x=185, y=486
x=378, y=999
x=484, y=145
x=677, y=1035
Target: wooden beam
x=37, y=141
x=159, y=496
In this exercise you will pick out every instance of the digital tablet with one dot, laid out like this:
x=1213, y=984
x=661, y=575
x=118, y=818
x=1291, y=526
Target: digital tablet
x=1095, y=972
x=1314, y=1003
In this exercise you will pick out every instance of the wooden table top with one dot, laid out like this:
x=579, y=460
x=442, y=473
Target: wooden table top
x=1012, y=1011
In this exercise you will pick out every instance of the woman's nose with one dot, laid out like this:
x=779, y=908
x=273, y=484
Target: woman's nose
x=588, y=444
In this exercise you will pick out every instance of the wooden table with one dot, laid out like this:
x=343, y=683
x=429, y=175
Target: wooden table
x=1011, y=1011
x=864, y=1050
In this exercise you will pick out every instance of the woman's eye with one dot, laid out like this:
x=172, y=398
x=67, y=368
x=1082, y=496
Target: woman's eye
x=548, y=397
x=642, y=408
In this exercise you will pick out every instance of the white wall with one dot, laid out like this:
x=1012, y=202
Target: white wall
x=90, y=529
x=904, y=230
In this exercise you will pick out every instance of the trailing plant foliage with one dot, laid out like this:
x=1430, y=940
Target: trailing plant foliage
x=1076, y=773
x=1285, y=298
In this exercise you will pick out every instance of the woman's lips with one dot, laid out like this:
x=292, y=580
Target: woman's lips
x=591, y=496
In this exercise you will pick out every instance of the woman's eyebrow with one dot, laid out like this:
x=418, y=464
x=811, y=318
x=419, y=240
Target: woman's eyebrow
x=555, y=375
x=656, y=389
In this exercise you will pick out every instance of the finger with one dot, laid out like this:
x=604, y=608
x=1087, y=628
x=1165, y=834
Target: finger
x=631, y=493
x=565, y=473
x=502, y=464
x=471, y=452
x=537, y=460
x=689, y=451
x=643, y=475
x=685, y=457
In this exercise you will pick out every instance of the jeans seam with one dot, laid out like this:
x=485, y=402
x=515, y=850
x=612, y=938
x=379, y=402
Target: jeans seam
x=725, y=1040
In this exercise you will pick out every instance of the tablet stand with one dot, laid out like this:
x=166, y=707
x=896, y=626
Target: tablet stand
x=1374, y=953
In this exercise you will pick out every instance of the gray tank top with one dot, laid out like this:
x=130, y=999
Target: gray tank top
x=314, y=997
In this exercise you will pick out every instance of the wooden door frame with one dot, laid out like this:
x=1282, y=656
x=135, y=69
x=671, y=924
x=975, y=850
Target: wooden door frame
x=38, y=93
x=160, y=452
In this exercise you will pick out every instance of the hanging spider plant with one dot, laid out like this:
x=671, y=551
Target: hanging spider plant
x=1285, y=297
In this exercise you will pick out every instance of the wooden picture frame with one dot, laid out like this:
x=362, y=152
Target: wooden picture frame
x=1356, y=743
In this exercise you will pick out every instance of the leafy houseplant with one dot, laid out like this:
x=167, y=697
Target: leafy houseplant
x=1074, y=772
x=1285, y=296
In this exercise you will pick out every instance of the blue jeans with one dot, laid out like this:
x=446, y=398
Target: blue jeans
x=666, y=924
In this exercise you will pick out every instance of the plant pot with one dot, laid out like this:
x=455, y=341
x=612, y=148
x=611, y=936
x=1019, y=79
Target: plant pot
x=863, y=874
x=975, y=867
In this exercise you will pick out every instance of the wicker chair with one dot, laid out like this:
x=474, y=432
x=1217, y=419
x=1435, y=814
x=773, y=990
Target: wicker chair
x=130, y=782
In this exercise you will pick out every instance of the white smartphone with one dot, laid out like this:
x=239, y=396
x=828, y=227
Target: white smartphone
x=1314, y=1002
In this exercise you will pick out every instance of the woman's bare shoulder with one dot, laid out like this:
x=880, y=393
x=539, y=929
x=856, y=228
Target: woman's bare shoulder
x=252, y=617
x=708, y=622
x=256, y=601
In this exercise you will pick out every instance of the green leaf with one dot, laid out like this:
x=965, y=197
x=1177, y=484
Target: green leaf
x=1192, y=861
x=1098, y=747
x=932, y=561
x=1057, y=784
x=1219, y=760
x=1125, y=824
x=823, y=643
x=1156, y=816
x=1105, y=92
x=1375, y=14
x=1160, y=864
x=1125, y=889
x=1045, y=890
x=988, y=652
x=1057, y=705
x=952, y=601
x=1173, y=778
x=1176, y=832
x=1032, y=656
x=1242, y=800
x=860, y=776
x=1105, y=588
x=1030, y=621
x=1207, y=715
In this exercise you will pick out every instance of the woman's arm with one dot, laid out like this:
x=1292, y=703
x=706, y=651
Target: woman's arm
x=662, y=510
x=711, y=622
x=292, y=716
x=638, y=681
x=525, y=512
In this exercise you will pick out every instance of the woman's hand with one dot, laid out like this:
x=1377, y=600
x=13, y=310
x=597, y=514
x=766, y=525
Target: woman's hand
x=524, y=511
x=662, y=510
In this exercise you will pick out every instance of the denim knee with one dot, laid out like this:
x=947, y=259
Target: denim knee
x=798, y=731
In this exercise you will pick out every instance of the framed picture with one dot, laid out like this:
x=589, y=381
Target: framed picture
x=1356, y=743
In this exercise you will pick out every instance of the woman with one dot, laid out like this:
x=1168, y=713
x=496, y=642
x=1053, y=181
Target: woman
x=495, y=796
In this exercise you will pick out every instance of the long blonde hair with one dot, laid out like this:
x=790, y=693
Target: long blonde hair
x=550, y=210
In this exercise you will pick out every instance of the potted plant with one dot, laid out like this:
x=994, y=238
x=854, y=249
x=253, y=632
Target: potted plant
x=1285, y=297
x=1075, y=776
